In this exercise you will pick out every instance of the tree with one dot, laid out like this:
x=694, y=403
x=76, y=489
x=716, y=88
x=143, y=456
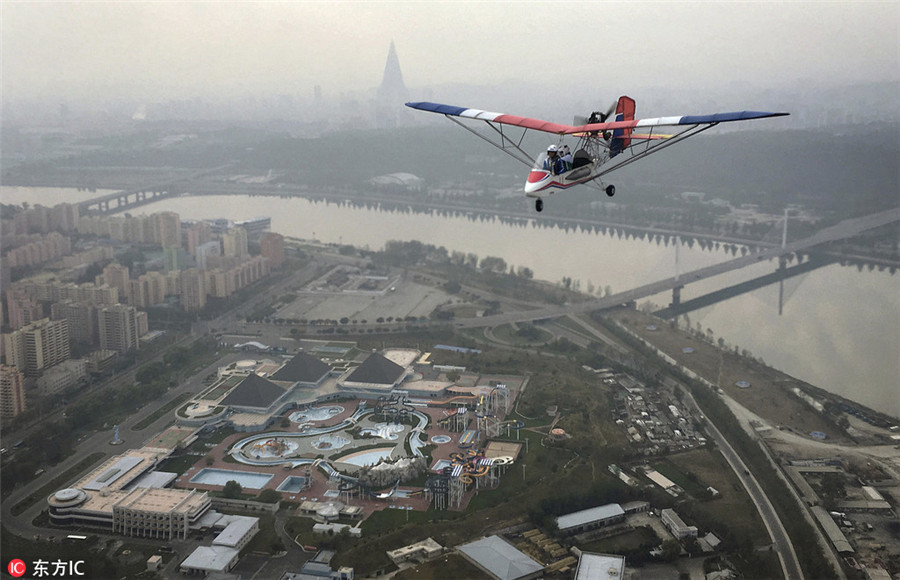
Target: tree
x=493, y=264
x=525, y=273
x=233, y=489
x=671, y=549
x=269, y=496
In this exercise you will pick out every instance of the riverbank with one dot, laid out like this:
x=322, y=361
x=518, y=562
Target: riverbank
x=785, y=402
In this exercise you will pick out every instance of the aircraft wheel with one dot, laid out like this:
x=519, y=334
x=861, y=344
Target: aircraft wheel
x=610, y=190
x=539, y=204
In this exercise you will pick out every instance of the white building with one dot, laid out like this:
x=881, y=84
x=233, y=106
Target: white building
x=589, y=519
x=223, y=554
x=678, y=528
x=62, y=376
x=593, y=566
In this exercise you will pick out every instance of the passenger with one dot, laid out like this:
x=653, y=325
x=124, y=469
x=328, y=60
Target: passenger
x=553, y=163
x=566, y=158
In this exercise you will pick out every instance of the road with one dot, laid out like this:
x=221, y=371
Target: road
x=790, y=565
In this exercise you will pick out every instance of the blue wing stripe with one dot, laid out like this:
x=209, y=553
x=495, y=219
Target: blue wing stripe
x=725, y=117
x=438, y=108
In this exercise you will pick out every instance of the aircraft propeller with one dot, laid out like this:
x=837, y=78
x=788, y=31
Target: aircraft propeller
x=596, y=116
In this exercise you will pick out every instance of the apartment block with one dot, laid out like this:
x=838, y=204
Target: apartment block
x=12, y=391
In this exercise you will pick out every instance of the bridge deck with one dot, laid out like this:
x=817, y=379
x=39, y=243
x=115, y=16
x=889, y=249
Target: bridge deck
x=845, y=229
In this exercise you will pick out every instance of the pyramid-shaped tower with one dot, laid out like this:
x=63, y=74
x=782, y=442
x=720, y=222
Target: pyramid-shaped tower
x=392, y=83
x=392, y=93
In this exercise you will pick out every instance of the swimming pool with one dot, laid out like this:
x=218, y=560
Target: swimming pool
x=248, y=479
x=316, y=414
x=367, y=457
x=384, y=431
x=293, y=484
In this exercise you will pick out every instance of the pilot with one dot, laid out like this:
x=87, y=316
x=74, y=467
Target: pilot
x=553, y=163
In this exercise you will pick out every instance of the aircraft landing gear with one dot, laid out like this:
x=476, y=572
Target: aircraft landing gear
x=610, y=190
x=539, y=204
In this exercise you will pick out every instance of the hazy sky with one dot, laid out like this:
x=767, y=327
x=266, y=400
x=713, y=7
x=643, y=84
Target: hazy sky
x=174, y=50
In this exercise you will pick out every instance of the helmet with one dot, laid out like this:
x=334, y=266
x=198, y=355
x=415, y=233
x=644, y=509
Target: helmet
x=552, y=148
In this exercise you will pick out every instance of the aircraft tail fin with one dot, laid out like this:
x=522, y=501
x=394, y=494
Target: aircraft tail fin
x=621, y=138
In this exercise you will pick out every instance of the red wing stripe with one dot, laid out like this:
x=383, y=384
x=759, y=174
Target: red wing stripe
x=535, y=124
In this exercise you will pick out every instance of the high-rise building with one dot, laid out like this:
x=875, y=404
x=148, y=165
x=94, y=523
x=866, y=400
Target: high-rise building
x=82, y=317
x=173, y=258
x=143, y=323
x=168, y=228
x=204, y=251
x=234, y=242
x=271, y=246
x=23, y=308
x=117, y=276
x=104, y=294
x=38, y=346
x=392, y=92
x=148, y=289
x=193, y=290
x=197, y=234
x=12, y=391
x=255, y=227
x=118, y=328
x=218, y=283
x=64, y=217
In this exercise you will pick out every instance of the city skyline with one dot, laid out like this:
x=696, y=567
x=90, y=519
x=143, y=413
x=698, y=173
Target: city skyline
x=159, y=52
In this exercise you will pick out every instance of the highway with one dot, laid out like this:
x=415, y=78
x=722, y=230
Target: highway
x=790, y=565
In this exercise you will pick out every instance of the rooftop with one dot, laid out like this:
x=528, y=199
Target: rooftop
x=302, y=368
x=599, y=567
x=235, y=531
x=587, y=516
x=212, y=558
x=163, y=500
x=376, y=369
x=500, y=558
x=254, y=391
x=118, y=471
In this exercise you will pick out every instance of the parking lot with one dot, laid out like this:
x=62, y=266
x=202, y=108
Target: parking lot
x=397, y=301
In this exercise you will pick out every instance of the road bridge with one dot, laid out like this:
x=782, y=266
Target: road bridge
x=130, y=198
x=845, y=229
x=782, y=273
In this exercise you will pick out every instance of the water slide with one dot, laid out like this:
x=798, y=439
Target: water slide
x=387, y=494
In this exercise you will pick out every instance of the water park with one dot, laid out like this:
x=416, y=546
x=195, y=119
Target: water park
x=364, y=450
x=389, y=427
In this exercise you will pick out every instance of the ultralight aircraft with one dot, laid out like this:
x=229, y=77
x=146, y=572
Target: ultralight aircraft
x=603, y=146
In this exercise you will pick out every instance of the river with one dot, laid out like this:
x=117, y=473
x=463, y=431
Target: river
x=840, y=327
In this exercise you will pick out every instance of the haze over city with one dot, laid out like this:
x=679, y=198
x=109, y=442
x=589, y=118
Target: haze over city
x=148, y=51
x=262, y=320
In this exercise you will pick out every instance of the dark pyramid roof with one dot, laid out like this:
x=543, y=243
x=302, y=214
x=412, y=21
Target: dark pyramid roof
x=376, y=369
x=254, y=391
x=303, y=368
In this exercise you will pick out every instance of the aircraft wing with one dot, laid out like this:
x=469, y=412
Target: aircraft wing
x=501, y=118
x=713, y=119
x=561, y=129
